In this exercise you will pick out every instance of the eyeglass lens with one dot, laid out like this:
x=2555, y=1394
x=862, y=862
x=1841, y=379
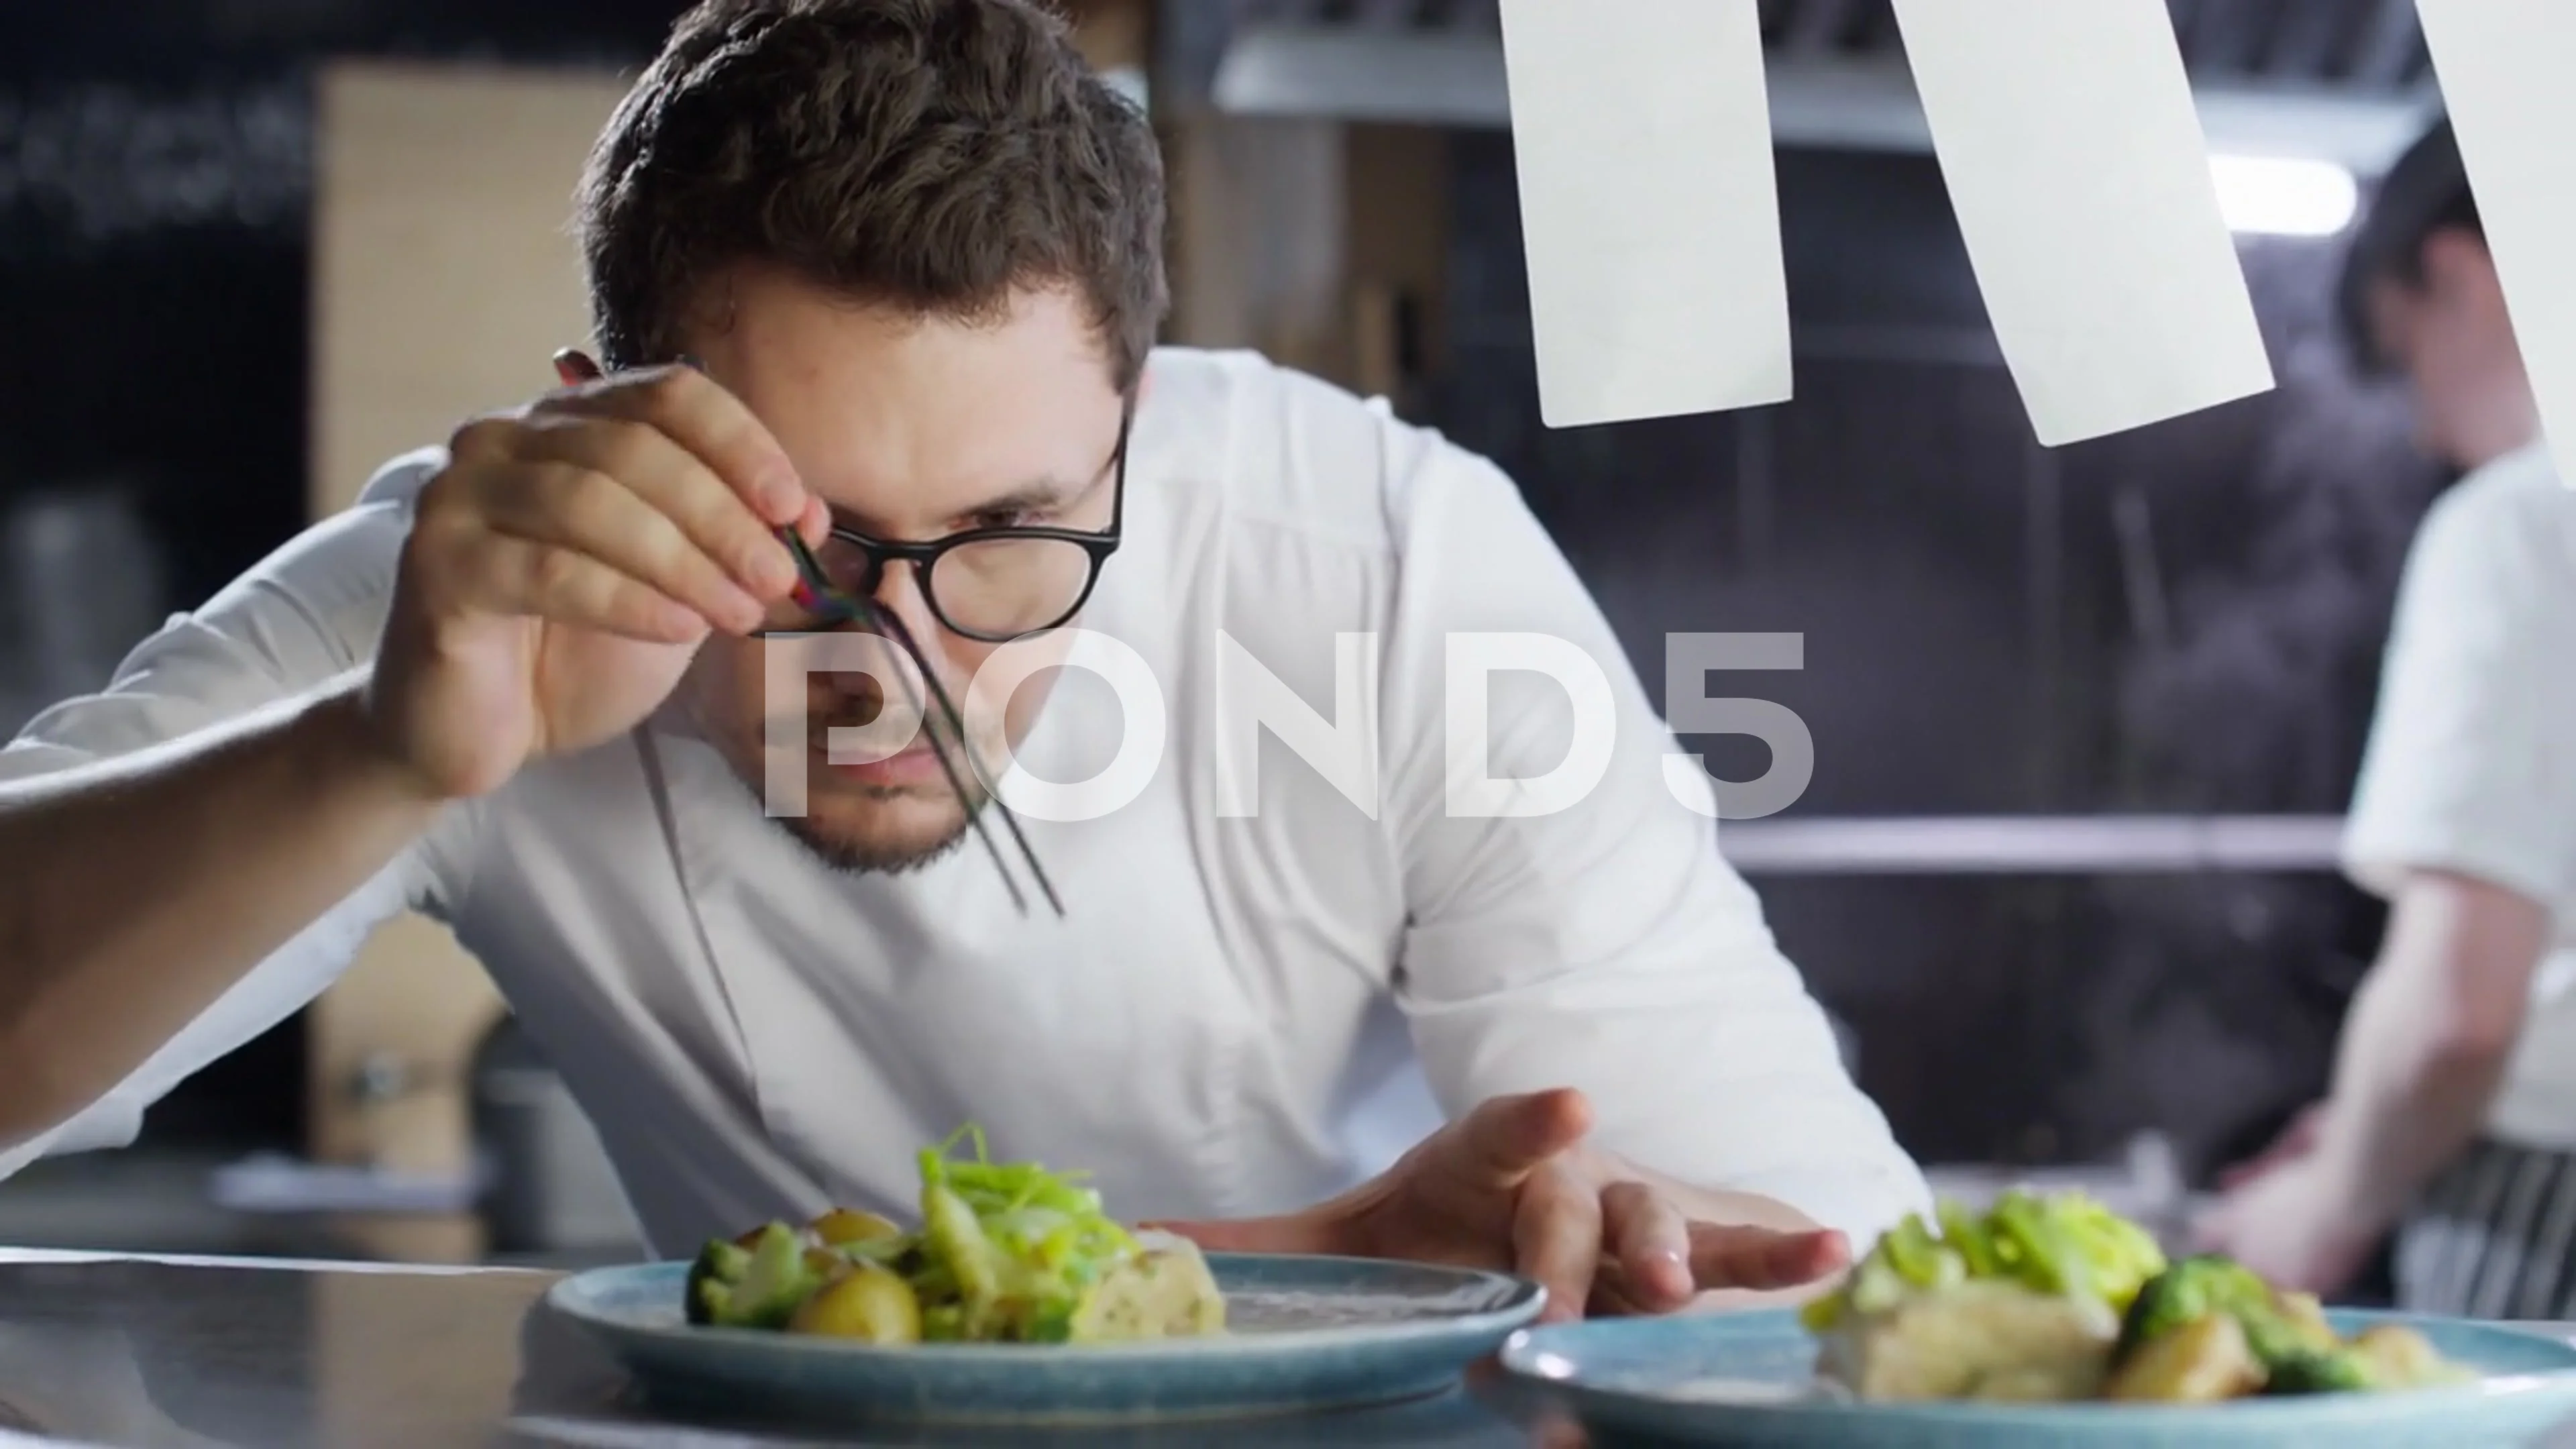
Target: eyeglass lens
x=994, y=586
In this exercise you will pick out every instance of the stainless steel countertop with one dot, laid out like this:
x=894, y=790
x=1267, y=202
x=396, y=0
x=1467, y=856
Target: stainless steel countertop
x=196, y=1352
x=190, y=1353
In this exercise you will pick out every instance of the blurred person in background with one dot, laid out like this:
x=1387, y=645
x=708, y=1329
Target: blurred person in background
x=2451, y=1121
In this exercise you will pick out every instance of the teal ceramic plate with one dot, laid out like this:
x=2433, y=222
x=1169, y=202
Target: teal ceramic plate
x=1749, y=1379
x=1305, y=1333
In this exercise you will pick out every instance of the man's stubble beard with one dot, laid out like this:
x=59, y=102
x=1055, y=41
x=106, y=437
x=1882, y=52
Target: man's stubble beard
x=839, y=854
x=859, y=857
x=851, y=857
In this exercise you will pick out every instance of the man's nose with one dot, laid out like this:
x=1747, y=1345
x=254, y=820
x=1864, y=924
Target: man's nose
x=899, y=593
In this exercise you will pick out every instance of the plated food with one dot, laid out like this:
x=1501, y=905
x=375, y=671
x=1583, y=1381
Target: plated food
x=1002, y=1253
x=1015, y=1298
x=2057, y=1299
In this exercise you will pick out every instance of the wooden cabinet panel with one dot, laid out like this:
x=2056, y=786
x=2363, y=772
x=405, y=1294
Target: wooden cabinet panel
x=444, y=279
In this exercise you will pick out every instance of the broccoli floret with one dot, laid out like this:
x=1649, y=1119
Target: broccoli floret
x=731, y=1286
x=2191, y=1290
x=2306, y=1370
x=719, y=1266
x=2278, y=1338
x=2297, y=1357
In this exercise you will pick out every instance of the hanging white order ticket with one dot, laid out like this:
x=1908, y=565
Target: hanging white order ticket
x=2504, y=66
x=2081, y=179
x=1649, y=212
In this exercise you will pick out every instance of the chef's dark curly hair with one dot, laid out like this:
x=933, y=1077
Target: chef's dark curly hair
x=930, y=155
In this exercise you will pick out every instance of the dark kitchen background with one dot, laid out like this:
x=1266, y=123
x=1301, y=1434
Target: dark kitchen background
x=2183, y=621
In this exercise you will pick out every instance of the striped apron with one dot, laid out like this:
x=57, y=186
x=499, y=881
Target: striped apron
x=2494, y=1236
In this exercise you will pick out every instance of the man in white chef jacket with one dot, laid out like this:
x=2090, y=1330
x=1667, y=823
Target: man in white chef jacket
x=2452, y=1118
x=887, y=273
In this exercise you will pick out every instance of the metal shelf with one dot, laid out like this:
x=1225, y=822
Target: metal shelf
x=2033, y=845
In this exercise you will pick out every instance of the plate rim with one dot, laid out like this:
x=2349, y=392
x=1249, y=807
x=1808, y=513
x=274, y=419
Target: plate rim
x=2507, y=1389
x=1526, y=1300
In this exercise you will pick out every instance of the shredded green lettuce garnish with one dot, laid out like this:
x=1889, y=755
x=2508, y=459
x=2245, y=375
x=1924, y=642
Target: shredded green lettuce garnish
x=1015, y=1242
x=1006, y=1252
x=2064, y=1243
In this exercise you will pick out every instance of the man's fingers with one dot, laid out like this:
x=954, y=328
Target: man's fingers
x=698, y=414
x=522, y=577
x=676, y=484
x=1651, y=1242
x=1507, y=1138
x=1759, y=1259
x=578, y=510
x=1556, y=1239
x=573, y=367
x=815, y=523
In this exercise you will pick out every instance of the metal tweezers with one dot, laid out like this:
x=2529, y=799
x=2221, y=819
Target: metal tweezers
x=827, y=598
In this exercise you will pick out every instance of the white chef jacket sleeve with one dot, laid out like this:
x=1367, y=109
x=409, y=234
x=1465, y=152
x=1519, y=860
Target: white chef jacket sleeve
x=1607, y=946
x=2471, y=765
x=310, y=611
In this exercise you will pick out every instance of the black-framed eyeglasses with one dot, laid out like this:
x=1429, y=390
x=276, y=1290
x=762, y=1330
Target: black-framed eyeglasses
x=992, y=585
x=840, y=591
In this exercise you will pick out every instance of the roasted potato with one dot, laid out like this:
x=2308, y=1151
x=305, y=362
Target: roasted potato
x=842, y=1226
x=865, y=1303
x=2398, y=1357
x=2203, y=1361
